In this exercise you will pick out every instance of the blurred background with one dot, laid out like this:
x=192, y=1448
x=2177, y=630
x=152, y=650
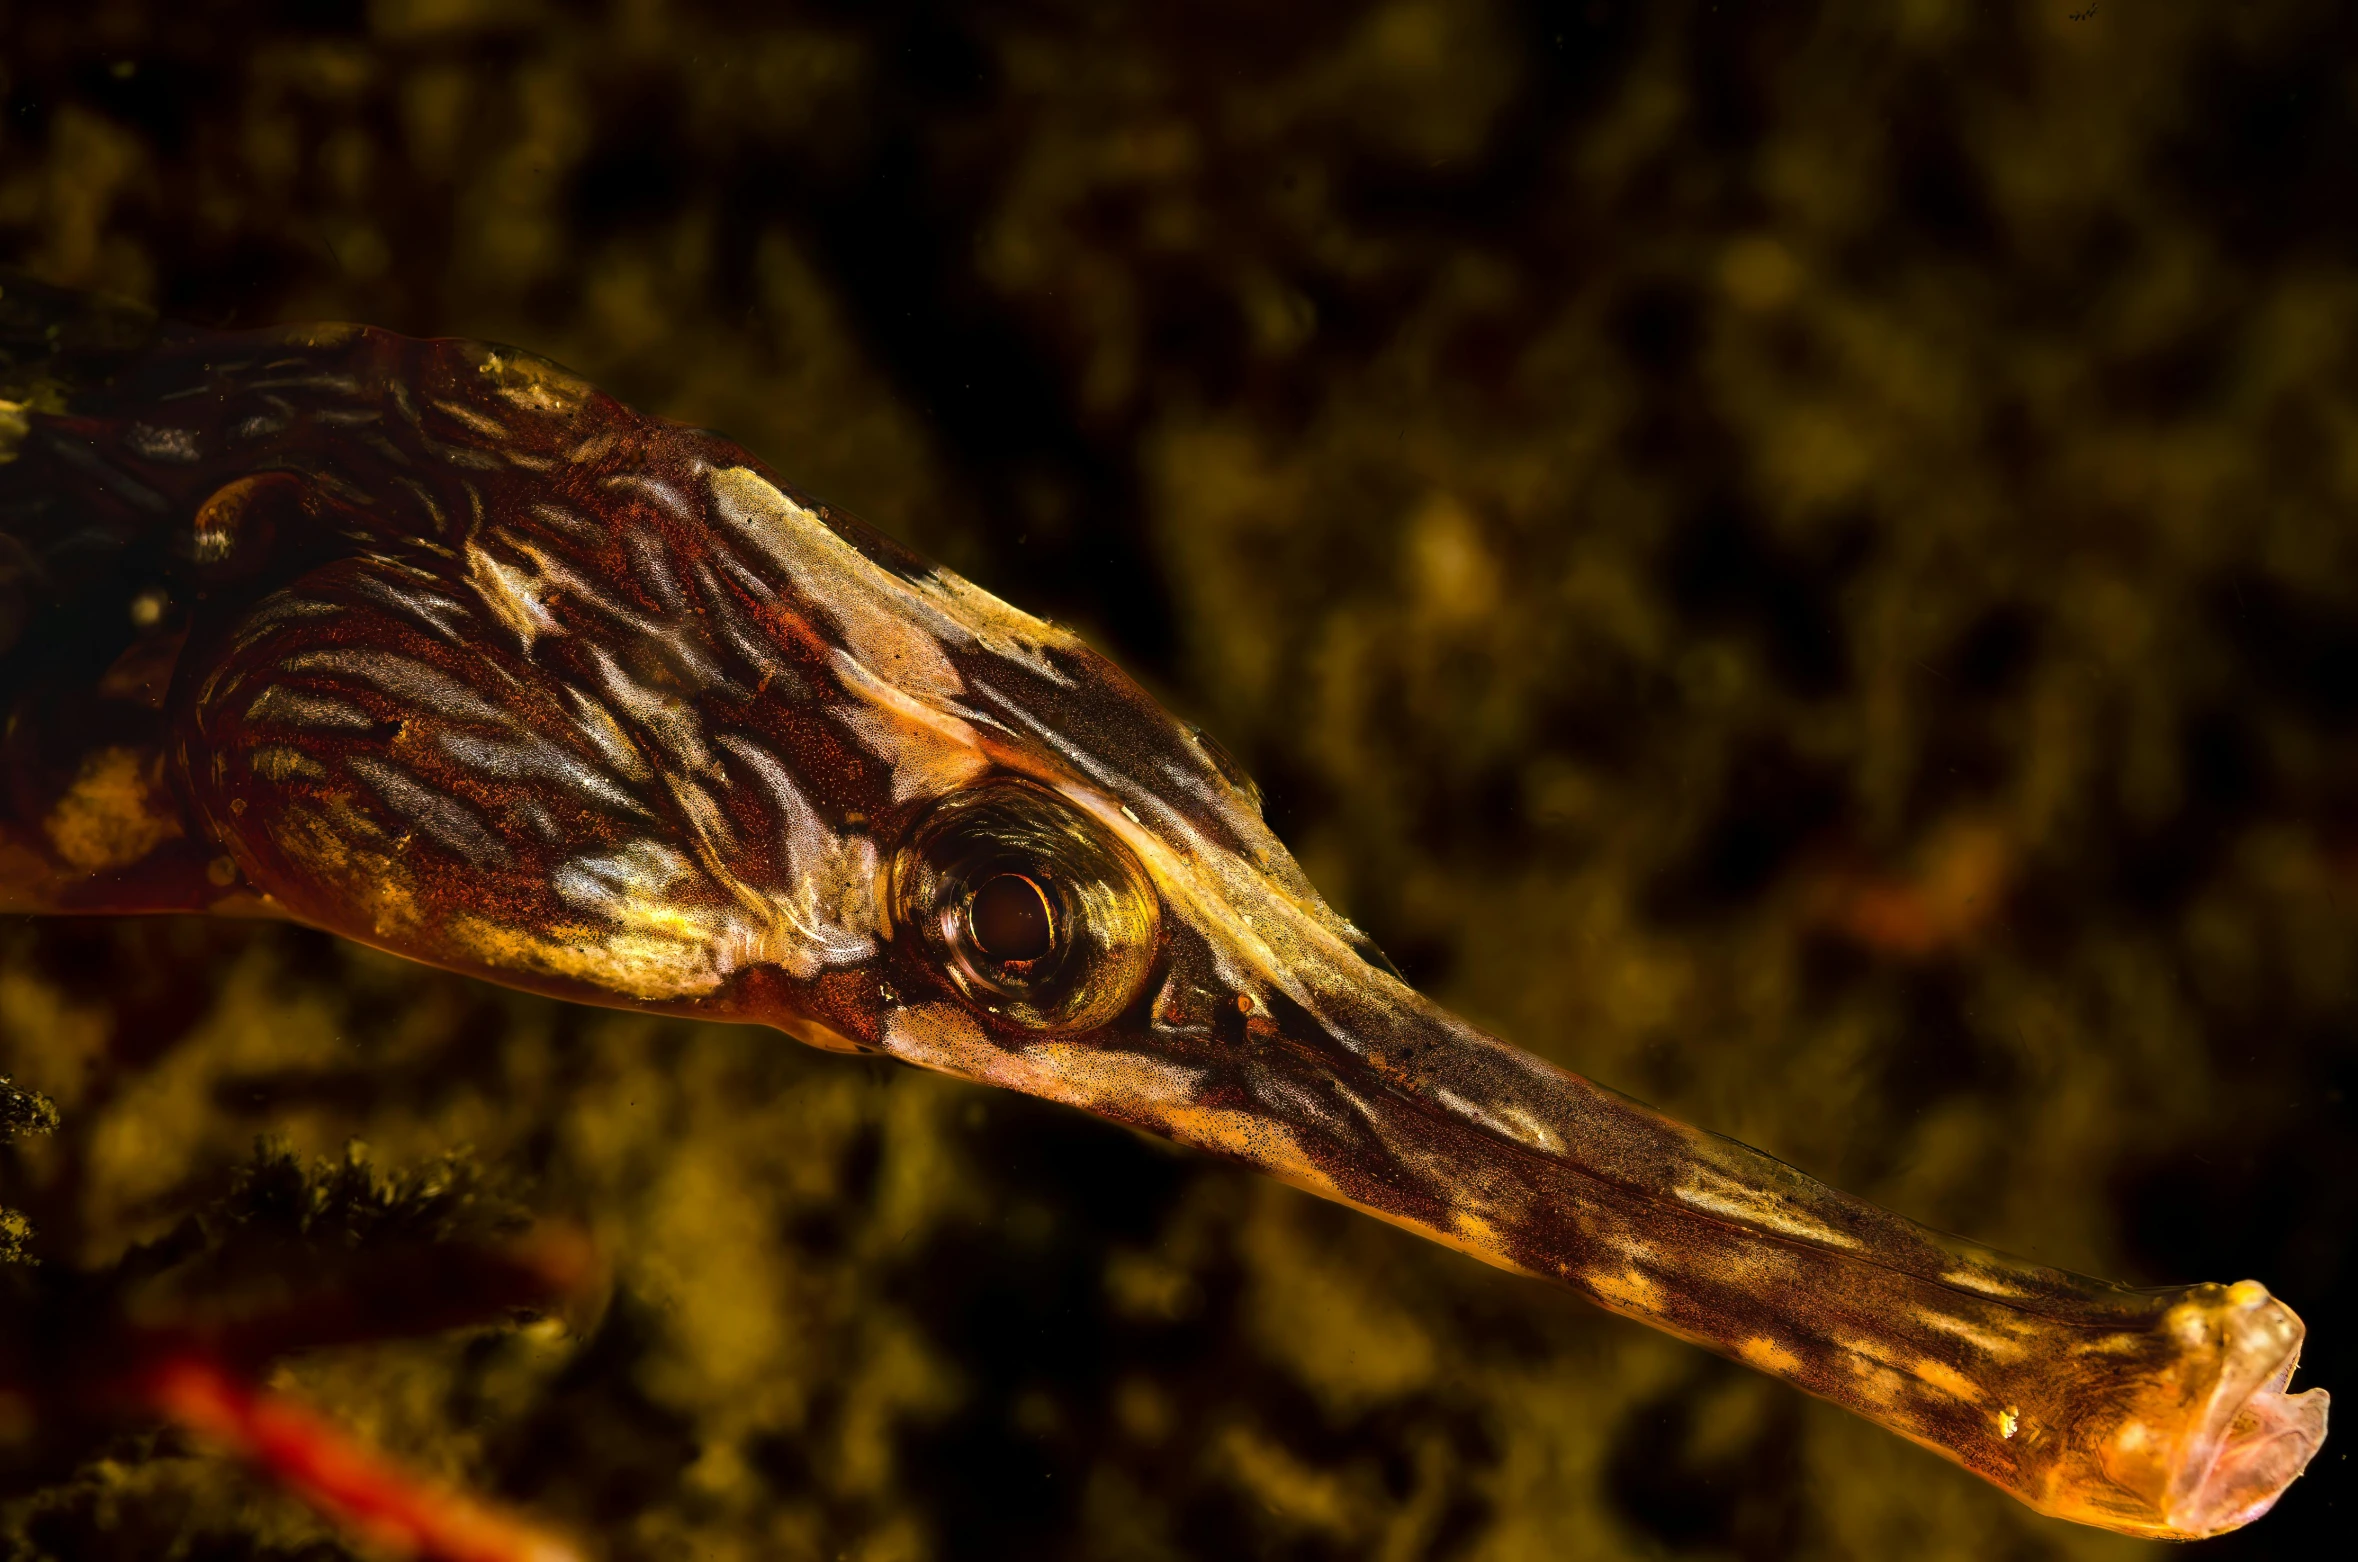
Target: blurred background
x=1798, y=561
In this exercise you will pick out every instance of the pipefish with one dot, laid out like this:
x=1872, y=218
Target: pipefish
x=432, y=645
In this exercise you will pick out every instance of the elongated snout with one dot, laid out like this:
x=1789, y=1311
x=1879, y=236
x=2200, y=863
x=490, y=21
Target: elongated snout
x=2161, y=1413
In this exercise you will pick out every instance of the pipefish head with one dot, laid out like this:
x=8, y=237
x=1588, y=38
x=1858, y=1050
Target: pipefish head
x=625, y=719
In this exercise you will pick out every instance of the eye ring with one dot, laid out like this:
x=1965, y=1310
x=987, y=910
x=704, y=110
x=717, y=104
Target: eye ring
x=1033, y=911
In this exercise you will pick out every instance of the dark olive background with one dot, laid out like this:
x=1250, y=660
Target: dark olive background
x=1798, y=561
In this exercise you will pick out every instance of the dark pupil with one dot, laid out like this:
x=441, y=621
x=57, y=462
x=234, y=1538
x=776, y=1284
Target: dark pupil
x=1009, y=919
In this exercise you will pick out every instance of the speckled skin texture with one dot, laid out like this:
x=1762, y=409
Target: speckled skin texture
x=1795, y=569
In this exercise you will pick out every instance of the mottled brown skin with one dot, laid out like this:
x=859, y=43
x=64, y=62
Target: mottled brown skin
x=432, y=645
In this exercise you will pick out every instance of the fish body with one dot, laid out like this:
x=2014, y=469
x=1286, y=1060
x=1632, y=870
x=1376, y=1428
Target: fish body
x=435, y=646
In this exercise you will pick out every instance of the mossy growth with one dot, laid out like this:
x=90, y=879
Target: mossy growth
x=22, y=1112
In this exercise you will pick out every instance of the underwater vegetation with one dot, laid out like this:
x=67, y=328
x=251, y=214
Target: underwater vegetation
x=1793, y=564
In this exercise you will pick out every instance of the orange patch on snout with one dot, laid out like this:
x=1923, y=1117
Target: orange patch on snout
x=1948, y=1380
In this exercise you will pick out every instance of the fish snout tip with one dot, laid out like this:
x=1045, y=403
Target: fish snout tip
x=2205, y=1437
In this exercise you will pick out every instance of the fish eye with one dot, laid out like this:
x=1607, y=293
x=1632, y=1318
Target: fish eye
x=1033, y=911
